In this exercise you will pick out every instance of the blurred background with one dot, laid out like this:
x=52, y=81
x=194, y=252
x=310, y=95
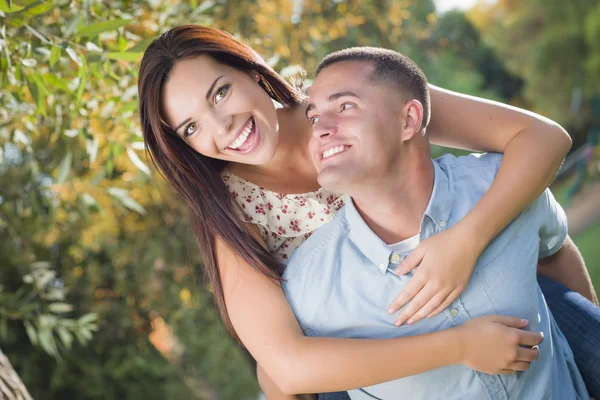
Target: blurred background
x=101, y=295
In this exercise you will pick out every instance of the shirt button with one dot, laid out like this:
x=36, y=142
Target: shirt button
x=395, y=258
x=454, y=312
x=442, y=223
x=382, y=267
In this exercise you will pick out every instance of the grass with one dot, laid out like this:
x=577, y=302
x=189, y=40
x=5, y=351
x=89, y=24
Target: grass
x=588, y=243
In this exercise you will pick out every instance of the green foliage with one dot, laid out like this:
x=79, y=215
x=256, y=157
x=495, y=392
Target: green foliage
x=553, y=46
x=97, y=298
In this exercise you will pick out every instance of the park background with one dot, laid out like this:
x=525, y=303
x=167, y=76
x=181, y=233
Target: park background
x=101, y=290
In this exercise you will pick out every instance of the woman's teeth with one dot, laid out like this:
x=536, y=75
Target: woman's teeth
x=333, y=151
x=243, y=136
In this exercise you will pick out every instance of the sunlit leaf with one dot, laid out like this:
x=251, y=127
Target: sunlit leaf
x=29, y=62
x=59, y=308
x=137, y=162
x=205, y=6
x=6, y=6
x=126, y=56
x=140, y=47
x=65, y=336
x=74, y=56
x=64, y=168
x=87, y=318
x=99, y=27
x=133, y=205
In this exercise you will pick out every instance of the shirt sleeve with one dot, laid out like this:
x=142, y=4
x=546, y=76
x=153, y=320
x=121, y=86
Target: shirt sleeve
x=553, y=224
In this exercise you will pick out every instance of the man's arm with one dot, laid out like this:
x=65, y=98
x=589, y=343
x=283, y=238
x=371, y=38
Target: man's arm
x=567, y=267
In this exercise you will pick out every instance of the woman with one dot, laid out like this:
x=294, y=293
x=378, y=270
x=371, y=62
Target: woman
x=207, y=115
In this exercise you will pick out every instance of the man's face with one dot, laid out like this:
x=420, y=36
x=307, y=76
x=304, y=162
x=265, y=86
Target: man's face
x=356, y=126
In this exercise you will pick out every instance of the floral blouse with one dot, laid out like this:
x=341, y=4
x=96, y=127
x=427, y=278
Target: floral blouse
x=285, y=220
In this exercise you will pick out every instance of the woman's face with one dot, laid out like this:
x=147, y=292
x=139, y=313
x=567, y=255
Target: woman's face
x=221, y=112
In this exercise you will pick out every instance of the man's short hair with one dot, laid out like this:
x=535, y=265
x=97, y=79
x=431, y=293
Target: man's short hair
x=390, y=67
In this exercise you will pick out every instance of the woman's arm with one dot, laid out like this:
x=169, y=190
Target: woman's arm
x=268, y=328
x=272, y=391
x=533, y=146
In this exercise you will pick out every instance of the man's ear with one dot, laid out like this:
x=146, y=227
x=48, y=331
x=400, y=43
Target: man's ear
x=412, y=120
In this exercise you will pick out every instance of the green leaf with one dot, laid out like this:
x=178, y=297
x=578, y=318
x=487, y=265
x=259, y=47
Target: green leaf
x=7, y=7
x=56, y=82
x=94, y=29
x=87, y=318
x=60, y=308
x=47, y=342
x=41, y=8
x=54, y=55
x=140, y=47
x=65, y=168
x=205, y=6
x=31, y=332
x=65, y=336
x=125, y=56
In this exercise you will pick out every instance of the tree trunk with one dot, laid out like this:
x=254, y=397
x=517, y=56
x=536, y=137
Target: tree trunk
x=11, y=387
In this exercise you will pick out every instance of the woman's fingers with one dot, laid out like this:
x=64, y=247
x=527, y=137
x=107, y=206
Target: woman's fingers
x=519, y=366
x=426, y=295
x=411, y=262
x=411, y=289
x=451, y=297
x=431, y=305
x=525, y=354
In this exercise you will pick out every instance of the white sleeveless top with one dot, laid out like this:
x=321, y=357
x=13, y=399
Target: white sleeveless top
x=285, y=221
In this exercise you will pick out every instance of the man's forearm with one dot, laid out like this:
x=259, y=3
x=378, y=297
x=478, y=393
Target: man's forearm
x=567, y=267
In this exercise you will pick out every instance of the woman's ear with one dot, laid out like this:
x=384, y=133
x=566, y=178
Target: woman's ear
x=412, y=118
x=254, y=75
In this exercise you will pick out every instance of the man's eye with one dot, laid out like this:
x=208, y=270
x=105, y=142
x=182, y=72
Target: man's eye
x=190, y=129
x=346, y=106
x=221, y=93
x=313, y=120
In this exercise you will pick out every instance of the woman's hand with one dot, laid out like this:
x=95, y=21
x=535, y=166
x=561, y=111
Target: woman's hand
x=496, y=344
x=444, y=264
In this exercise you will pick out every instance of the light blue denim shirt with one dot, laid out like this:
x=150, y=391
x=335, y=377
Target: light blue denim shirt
x=340, y=284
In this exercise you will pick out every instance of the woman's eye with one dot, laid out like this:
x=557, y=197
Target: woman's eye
x=190, y=129
x=221, y=93
x=346, y=106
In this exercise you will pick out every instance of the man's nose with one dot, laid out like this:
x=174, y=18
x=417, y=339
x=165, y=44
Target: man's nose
x=324, y=129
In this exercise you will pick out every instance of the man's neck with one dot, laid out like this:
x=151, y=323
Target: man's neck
x=393, y=206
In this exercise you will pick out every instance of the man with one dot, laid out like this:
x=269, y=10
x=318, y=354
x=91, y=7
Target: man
x=372, y=104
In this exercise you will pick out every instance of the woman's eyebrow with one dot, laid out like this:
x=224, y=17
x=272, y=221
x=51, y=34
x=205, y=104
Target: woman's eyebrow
x=208, y=94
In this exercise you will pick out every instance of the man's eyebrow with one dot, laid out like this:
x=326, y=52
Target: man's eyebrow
x=337, y=95
x=333, y=97
x=208, y=94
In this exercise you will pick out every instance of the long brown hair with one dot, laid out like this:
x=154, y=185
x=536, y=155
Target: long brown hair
x=194, y=176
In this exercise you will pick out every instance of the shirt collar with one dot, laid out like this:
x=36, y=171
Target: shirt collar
x=375, y=249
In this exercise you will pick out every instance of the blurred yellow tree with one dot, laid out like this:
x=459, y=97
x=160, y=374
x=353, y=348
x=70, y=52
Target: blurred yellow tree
x=97, y=300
